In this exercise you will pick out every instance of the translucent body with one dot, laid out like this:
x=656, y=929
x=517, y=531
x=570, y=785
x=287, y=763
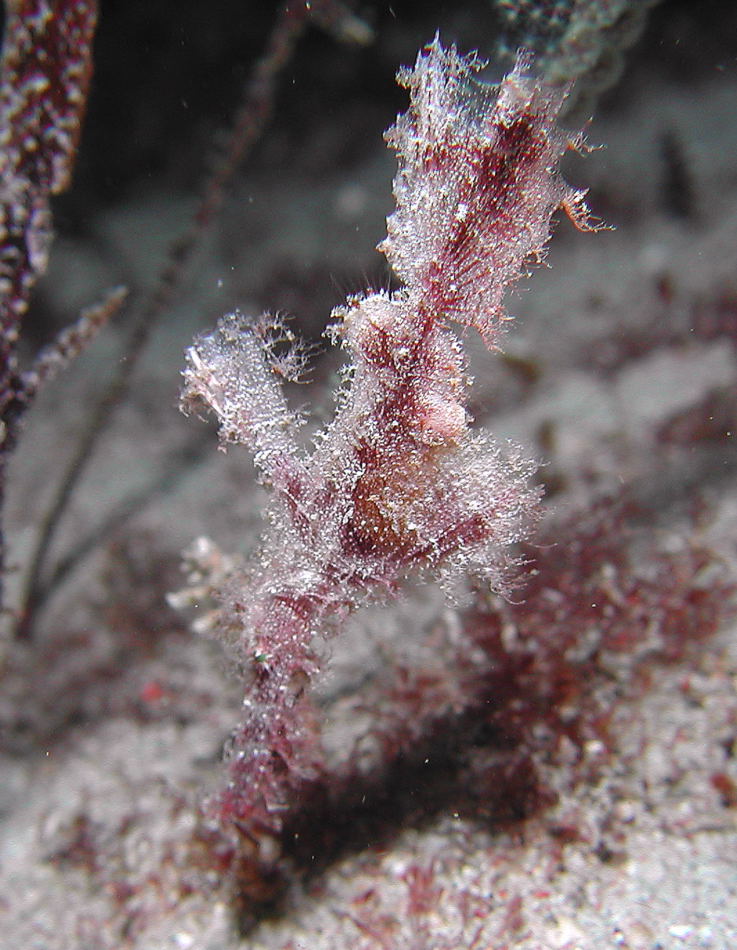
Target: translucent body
x=398, y=482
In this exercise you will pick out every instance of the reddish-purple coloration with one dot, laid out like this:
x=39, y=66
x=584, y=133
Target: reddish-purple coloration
x=46, y=69
x=398, y=483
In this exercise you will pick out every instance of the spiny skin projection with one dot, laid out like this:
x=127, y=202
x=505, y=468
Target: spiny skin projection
x=398, y=483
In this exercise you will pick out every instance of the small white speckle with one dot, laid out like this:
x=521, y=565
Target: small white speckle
x=680, y=931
